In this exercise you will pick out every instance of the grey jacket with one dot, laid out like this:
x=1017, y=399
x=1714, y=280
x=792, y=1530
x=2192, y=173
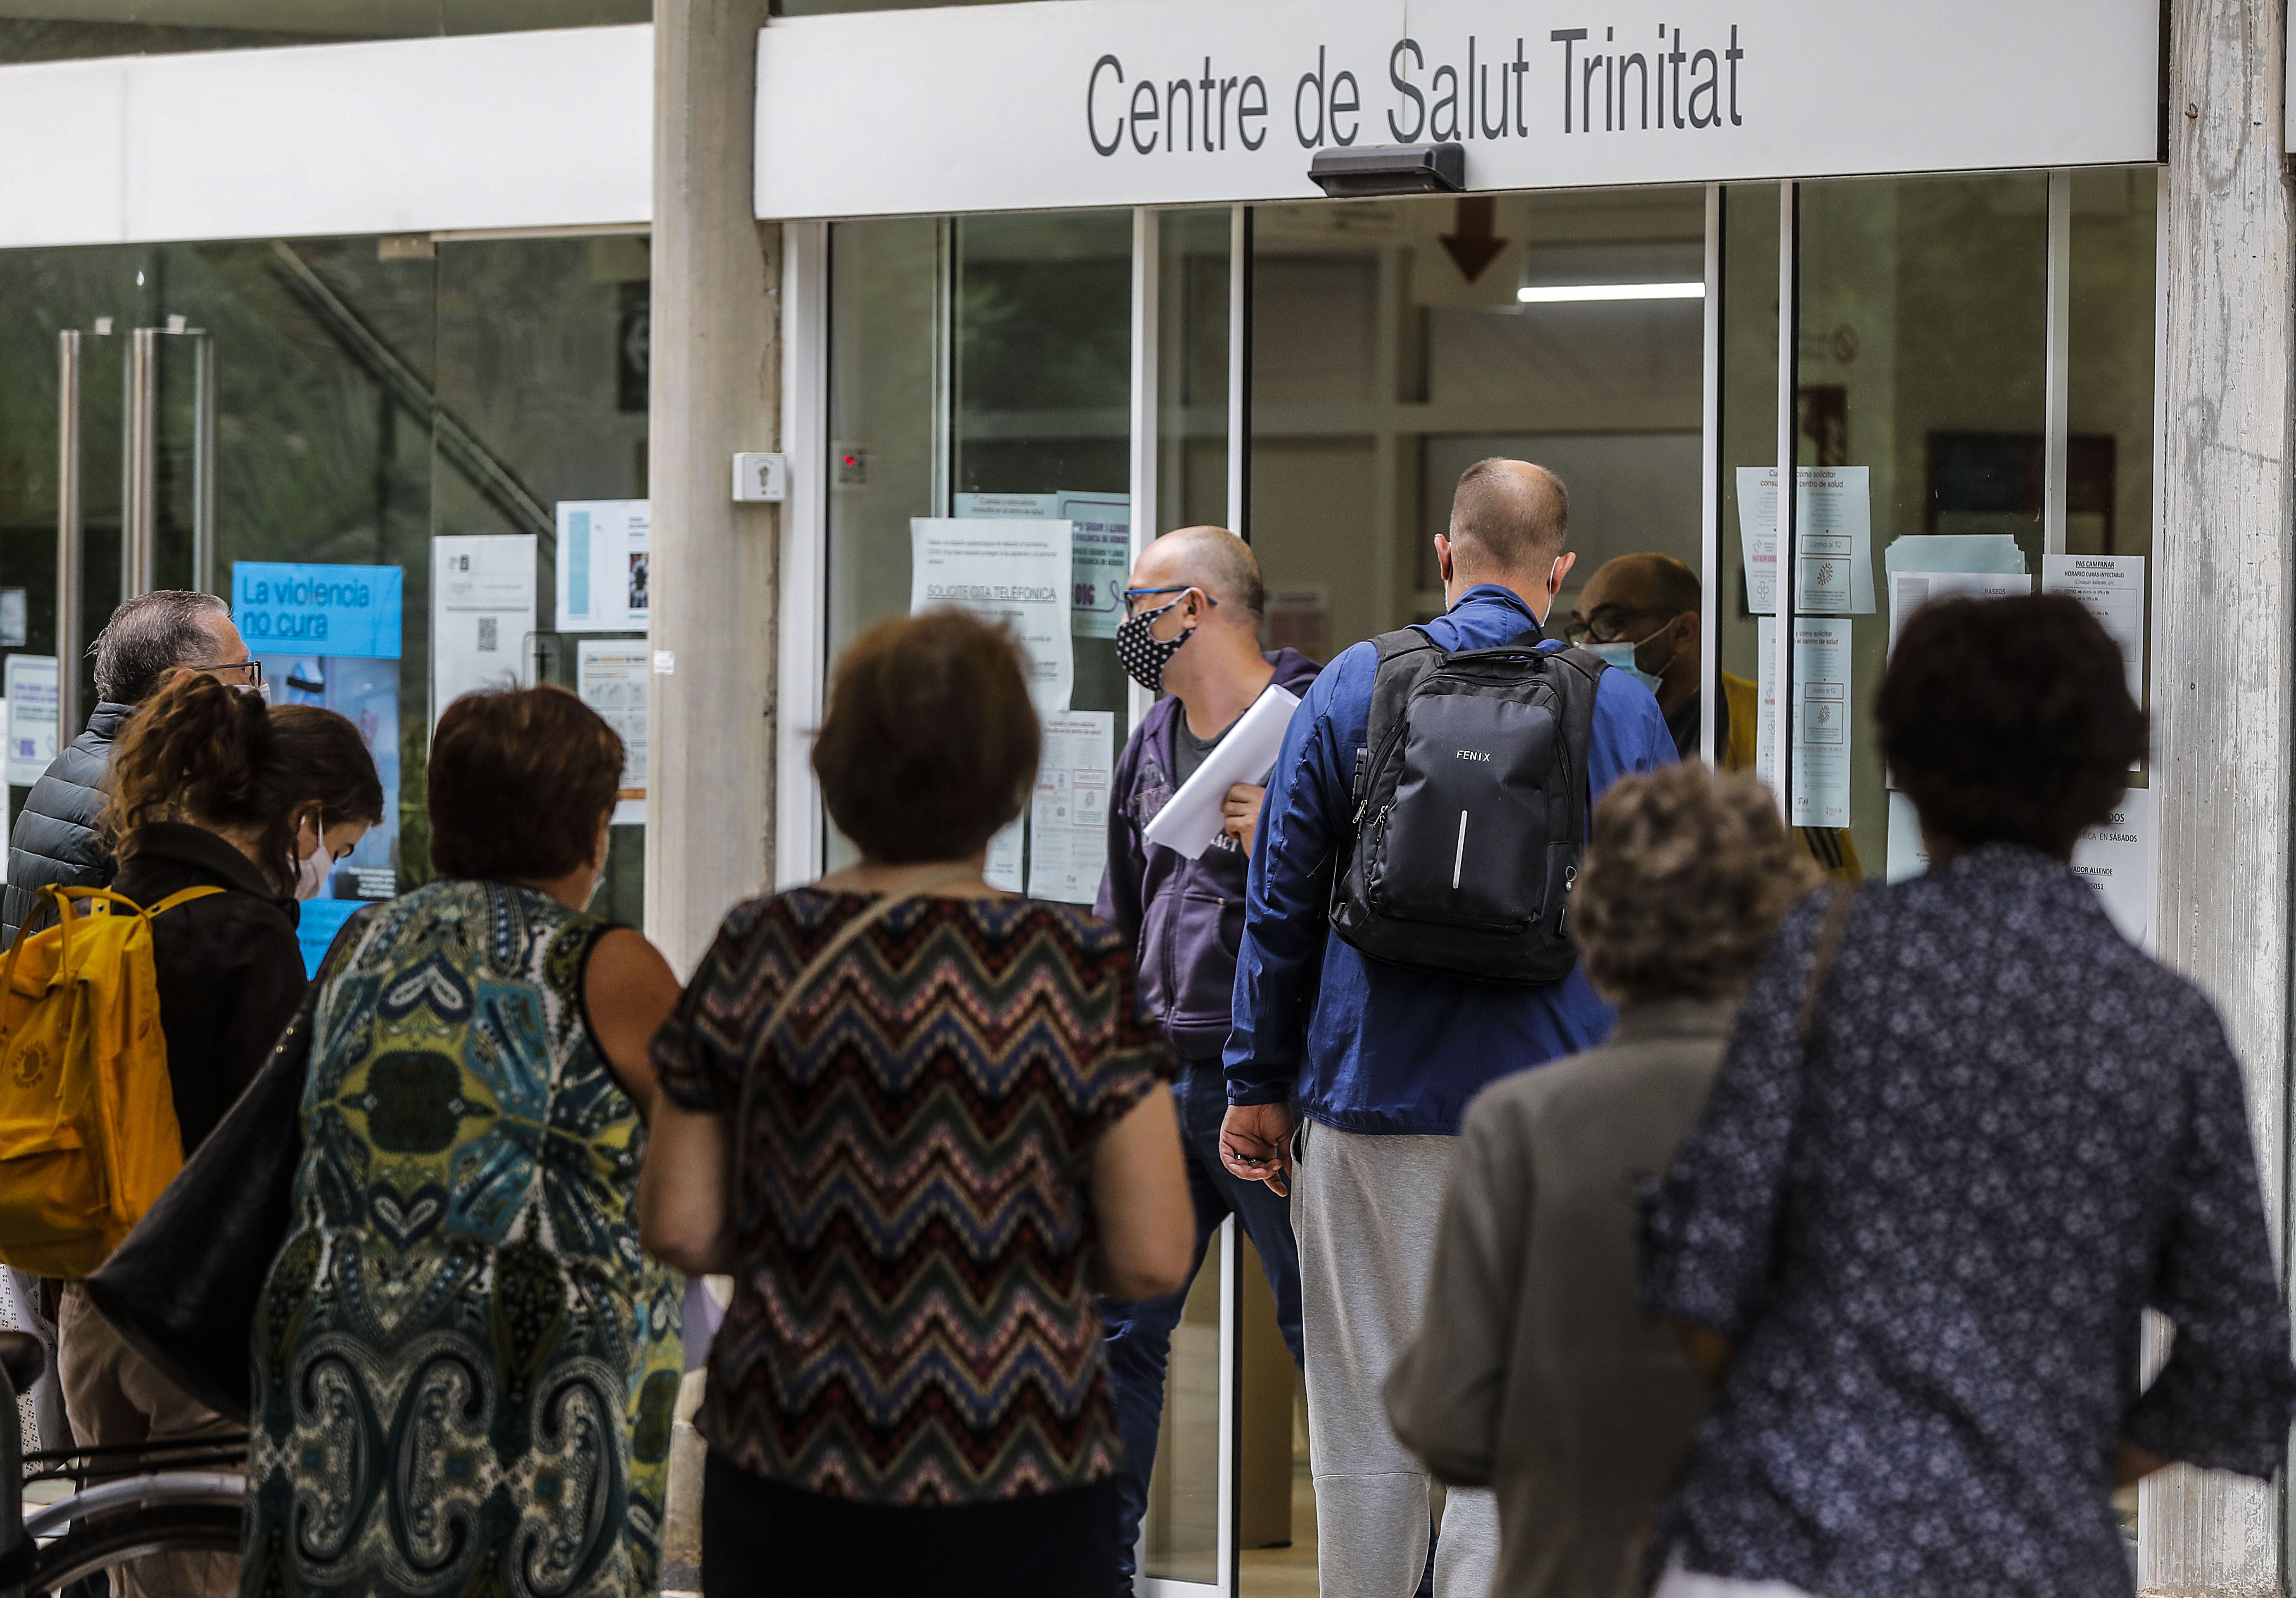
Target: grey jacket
x=55, y=838
x=1536, y=1371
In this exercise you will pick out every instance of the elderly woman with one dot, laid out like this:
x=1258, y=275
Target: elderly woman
x=1965, y=1135
x=919, y=1121
x=465, y=1369
x=1536, y=1371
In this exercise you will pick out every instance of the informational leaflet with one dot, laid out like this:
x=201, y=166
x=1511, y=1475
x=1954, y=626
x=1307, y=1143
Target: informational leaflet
x=2112, y=587
x=482, y=595
x=1192, y=819
x=610, y=676
x=603, y=581
x=15, y=614
x=2115, y=858
x=1821, y=741
x=31, y=681
x=1834, y=538
x=331, y=635
x=1909, y=591
x=1002, y=869
x=1068, y=820
x=1099, y=547
x=1007, y=570
x=1953, y=552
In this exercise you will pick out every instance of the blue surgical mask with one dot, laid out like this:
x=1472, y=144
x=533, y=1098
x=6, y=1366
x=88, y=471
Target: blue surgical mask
x=1619, y=656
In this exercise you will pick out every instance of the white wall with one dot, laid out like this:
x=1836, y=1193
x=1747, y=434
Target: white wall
x=514, y=130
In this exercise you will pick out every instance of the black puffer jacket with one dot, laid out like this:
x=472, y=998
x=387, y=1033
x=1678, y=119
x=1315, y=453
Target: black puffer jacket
x=55, y=839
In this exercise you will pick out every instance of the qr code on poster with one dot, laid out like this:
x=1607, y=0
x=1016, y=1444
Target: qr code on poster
x=490, y=633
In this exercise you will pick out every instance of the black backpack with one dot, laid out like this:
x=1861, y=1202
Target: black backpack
x=1470, y=809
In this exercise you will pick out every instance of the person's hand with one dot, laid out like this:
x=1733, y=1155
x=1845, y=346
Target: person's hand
x=1255, y=1142
x=1239, y=813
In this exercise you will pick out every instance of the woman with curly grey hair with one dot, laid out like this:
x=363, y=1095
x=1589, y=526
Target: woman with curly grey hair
x=1536, y=1372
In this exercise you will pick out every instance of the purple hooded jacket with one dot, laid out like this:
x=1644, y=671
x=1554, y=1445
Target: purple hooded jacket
x=1185, y=917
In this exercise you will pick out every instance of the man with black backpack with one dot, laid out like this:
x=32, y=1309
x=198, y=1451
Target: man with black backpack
x=1406, y=942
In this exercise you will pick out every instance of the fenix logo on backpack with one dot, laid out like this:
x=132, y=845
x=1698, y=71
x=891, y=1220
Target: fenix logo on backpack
x=1471, y=809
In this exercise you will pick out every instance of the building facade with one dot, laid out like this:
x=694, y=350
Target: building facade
x=362, y=330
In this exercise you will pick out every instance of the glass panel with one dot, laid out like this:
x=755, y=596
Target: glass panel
x=1179, y=1535
x=543, y=368
x=981, y=369
x=1749, y=457
x=1192, y=370
x=1921, y=361
x=70, y=29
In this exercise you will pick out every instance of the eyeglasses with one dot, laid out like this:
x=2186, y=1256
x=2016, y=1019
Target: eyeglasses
x=251, y=665
x=1133, y=596
x=1608, y=625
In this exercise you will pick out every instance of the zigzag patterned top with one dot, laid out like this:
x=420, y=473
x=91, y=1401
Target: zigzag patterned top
x=911, y=1322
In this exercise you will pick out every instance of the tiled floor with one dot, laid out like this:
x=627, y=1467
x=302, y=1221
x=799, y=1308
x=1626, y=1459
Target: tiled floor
x=1286, y=1572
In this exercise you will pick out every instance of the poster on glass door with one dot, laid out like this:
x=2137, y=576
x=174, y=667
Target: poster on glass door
x=482, y=593
x=1821, y=727
x=331, y=635
x=1099, y=547
x=32, y=689
x=605, y=575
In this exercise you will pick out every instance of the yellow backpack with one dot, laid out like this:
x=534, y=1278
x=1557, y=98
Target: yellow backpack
x=88, y=1121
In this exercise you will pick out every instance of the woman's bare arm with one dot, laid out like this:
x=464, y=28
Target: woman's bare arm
x=1140, y=1198
x=628, y=990
x=684, y=1214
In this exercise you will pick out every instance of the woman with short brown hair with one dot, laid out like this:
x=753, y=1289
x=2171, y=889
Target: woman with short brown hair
x=465, y=1365
x=919, y=1120
x=1536, y=1372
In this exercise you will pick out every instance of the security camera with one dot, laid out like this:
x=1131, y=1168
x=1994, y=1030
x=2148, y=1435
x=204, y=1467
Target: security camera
x=1390, y=169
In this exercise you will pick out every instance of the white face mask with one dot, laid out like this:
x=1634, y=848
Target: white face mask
x=312, y=870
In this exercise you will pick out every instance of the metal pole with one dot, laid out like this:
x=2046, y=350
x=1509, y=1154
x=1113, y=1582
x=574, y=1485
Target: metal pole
x=141, y=503
x=67, y=536
x=203, y=460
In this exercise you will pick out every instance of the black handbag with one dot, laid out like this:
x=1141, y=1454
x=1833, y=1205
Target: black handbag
x=183, y=1289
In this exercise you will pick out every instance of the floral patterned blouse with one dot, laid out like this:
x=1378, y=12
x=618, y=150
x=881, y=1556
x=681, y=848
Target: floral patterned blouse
x=1930, y=1239
x=912, y=1321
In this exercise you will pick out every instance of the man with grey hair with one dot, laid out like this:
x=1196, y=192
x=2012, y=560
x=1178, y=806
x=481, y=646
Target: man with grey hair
x=148, y=639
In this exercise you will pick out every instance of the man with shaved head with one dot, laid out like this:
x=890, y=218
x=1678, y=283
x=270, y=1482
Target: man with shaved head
x=1192, y=633
x=1347, y=1075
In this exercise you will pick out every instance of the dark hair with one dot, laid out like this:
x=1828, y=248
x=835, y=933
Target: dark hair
x=148, y=637
x=1510, y=515
x=2009, y=720
x=217, y=757
x=520, y=779
x=1687, y=873
x=931, y=743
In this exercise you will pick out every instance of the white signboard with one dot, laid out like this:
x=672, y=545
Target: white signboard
x=604, y=575
x=1068, y=818
x=482, y=593
x=30, y=682
x=1105, y=103
x=610, y=674
x=1009, y=570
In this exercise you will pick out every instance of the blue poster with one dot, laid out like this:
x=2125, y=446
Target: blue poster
x=330, y=636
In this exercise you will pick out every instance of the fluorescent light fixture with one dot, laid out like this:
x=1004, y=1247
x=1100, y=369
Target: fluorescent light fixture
x=1577, y=293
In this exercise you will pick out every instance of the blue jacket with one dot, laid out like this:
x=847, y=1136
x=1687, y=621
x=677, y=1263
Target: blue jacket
x=1356, y=1043
x=1184, y=918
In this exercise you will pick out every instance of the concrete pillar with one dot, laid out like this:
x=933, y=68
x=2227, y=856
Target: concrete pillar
x=717, y=388
x=2225, y=589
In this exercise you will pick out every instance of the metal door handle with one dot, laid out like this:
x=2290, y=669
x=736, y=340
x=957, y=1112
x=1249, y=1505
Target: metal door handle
x=67, y=536
x=140, y=465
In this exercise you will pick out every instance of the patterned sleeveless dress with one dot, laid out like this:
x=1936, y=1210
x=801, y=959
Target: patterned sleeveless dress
x=465, y=1369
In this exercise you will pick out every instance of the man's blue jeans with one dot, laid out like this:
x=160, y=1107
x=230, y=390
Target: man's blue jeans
x=1140, y=1335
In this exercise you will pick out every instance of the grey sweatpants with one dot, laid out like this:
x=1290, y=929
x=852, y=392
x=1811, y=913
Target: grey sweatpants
x=1365, y=1209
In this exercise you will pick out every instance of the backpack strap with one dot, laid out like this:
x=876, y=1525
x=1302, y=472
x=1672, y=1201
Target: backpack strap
x=1580, y=683
x=1405, y=657
x=183, y=897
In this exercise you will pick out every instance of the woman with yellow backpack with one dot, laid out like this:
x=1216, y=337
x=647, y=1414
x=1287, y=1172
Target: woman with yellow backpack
x=224, y=813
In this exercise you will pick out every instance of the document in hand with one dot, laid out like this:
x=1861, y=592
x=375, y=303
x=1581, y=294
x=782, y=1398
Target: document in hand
x=1191, y=818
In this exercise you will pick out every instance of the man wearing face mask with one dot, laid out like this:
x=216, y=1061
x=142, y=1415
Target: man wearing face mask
x=1372, y=1064
x=1191, y=634
x=1641, y=613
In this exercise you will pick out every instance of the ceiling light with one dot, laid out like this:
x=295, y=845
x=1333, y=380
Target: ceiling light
x=1576, y=293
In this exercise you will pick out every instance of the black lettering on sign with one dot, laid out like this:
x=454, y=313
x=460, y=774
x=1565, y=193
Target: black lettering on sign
x=1351, y=105
x=1091, y=122
x=1566, y=37
x=1250, y=100
x=1308, y=81
x=1409, y=90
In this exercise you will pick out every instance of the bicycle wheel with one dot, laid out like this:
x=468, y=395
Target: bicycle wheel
x=93, y=1545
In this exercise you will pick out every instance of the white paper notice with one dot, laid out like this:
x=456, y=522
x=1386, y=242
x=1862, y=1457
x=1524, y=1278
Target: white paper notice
x=1002, y=869
x=1953, y=552
x=30, y=682
x=1068, y=820
x=1834, y=538
x=603, y=578
x=482, y=595
x=1821, y=741
x=1909, y=591
x=2114, y=856
x=1191, y=818
x=610, y=675
x=1007, y=570
x=1909, y=857
x=2112, y=587
x=1100, y=544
